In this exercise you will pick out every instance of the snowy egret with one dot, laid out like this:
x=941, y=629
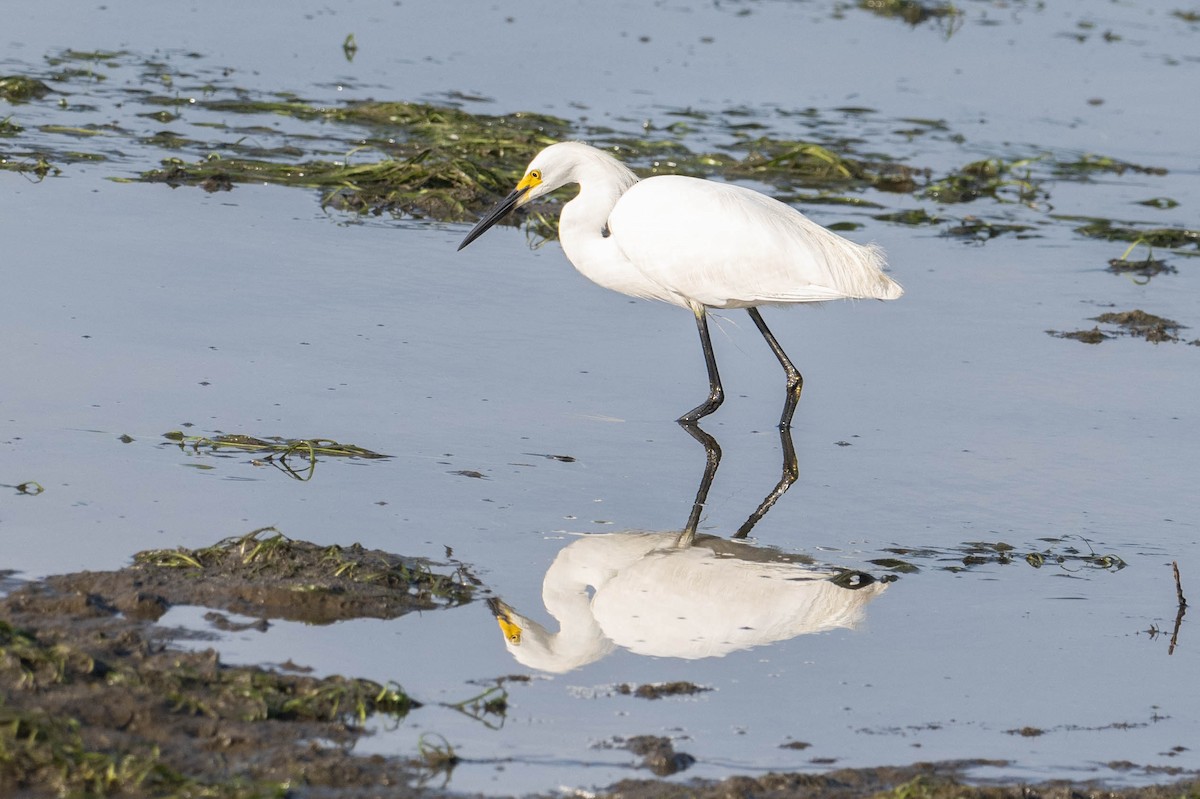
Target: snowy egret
x=642, y=592
x=697, y=244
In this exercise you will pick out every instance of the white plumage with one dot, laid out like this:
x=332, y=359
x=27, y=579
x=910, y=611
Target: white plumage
x=644, y=592
x=697, y=244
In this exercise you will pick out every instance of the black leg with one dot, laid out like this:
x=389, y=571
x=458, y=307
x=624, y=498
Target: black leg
x=795, y=383
x=716, y=395
x=712, y=459
x=791, y=471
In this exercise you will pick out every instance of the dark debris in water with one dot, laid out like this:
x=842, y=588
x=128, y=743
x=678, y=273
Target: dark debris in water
x=660, y=690
x=973, y=228
x=271, y=444
x=1093, y=336
x=658, y=754
x=1062, y=552
x=911, y=11
x=1144, y=325
x=1136, y=323
x=296, y=457
x=1147, y=267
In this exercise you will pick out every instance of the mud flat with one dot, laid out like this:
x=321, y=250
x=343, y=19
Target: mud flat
x=99, y=700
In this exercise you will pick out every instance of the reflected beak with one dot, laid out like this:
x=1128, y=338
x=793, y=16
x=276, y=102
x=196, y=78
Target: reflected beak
x=502, y=209
x=503, y=613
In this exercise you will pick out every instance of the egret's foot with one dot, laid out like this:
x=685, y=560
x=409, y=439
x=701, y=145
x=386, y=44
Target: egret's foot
x=703, y=409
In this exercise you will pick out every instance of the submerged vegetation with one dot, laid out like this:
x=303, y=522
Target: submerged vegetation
x=1069, y=553
x=447, y=163
x=439, y=162
x=20, y=88
x=1161, y=237
x=911, y=11
x=444, y=162
x=274, y=451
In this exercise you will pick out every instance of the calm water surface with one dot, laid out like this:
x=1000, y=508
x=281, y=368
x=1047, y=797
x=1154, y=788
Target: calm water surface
x=945, y=418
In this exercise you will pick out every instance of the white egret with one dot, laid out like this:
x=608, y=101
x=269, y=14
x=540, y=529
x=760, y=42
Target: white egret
x=643, y=592
x=697, y=244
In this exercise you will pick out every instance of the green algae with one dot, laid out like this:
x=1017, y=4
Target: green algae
x=1160, y=237
x=811, y=164
x=1093, y=164
x=911, y=11
x=1070, y=553
x=22, y=89
x=994, y=178
x=37, y=165
x=447, y=163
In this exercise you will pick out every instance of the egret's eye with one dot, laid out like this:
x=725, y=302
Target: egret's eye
x=536, y=174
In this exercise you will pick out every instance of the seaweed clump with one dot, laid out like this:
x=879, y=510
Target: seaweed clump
x=21, y=89
x=1136, y=323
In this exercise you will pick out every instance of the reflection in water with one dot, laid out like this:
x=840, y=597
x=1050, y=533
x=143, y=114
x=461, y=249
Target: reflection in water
x=679, y=594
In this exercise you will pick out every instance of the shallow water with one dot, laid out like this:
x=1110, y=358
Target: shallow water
x=947, y=417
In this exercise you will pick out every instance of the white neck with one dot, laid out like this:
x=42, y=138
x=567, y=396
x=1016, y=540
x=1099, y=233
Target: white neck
x=583, y=229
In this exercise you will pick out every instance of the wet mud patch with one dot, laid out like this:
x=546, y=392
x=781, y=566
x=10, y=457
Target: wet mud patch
x=924, y=780
x=266, y=574
x=1136, y=323
x=96, y=702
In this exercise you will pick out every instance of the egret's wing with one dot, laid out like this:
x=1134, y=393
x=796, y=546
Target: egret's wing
x=726, y=246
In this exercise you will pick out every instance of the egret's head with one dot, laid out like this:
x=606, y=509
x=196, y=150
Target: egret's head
x=510, y=623
x=534, y=646
x=533, y=185
x=552, y=168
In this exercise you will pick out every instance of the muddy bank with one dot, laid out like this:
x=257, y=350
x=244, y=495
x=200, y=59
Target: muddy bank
x=919, y=781
x=96, y=702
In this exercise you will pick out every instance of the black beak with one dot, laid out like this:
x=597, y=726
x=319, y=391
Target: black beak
x=495, y=215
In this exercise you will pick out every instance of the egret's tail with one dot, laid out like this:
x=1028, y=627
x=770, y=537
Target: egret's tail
x=882, y=287
x=889, y=289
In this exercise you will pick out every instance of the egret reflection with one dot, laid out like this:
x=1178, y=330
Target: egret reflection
x=682, y=594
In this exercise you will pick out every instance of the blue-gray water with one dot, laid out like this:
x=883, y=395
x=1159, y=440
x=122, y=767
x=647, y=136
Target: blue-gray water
x=134, y=309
